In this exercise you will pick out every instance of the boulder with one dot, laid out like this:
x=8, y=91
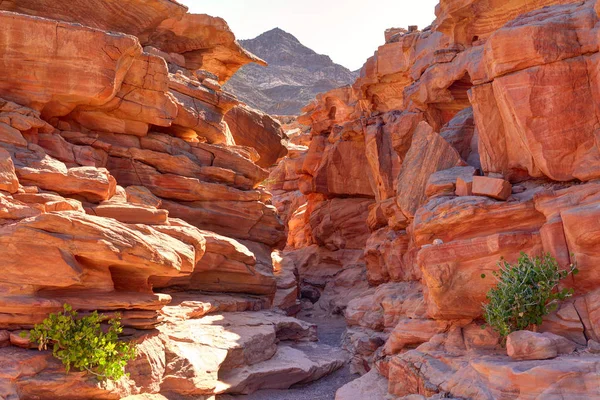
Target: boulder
x=527, y=345
x=495, y=188
x=446, y=182
x=471, y=217
x=369, y=386
x=413, y=332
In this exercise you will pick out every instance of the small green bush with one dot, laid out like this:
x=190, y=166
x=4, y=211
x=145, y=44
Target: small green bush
x=525, y=293
x=81, y=343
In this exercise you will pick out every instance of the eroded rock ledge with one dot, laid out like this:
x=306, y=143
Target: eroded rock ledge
x=469, y=141
x=123, y=189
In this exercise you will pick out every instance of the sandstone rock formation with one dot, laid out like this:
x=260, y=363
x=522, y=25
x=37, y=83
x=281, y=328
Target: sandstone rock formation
x=126, y=188
x=132, y=183
x=470, y=141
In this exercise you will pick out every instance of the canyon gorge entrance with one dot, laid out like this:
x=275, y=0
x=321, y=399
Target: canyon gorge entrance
x=344, y=253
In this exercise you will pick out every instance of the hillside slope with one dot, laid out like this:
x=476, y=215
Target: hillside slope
x=295, y=75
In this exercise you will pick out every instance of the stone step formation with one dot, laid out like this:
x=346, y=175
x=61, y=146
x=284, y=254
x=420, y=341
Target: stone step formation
x=132, y=183
x=470, y=140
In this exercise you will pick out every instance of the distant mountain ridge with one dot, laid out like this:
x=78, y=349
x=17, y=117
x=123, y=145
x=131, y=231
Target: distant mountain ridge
x=295, y=75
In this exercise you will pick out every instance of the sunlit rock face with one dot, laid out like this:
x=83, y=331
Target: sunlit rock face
x=130, y=183
x=474, y=140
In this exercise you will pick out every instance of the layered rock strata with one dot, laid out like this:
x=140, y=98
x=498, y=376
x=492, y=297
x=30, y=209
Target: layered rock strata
x=470, y=141
x=126, y=187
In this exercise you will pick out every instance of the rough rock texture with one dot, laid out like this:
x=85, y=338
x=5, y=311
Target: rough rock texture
x=294, y=76
x=471, y=141
x=196, y=41
x=262, y=132
x=124, y=189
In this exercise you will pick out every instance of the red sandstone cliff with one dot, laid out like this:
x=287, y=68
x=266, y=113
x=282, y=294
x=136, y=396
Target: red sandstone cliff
x=129, y=182
x=472, y=140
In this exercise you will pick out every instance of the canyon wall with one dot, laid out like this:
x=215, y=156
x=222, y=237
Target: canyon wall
x=128, y=185
x=473, y=140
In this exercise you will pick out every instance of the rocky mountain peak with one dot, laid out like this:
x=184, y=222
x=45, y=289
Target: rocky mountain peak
x=295, y=75
x=277, y=34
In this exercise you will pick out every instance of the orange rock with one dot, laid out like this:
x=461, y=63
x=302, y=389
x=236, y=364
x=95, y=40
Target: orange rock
x=495, y=188
x=142, y=196
x=21, y=341
x=8, y=179
x=456, y=287
x=464, y=186
x=336, y=170
x=387, y=259
x=94, y=72
x=112, y=270
x=10, y=135
x=494, y=375
x=51, y=202
x=286, y=276
x=224, y=157
x=428, y=153
x=552, y=204
x=479, y=337
x=384, y=162
x=460, y=132
x=227, y=266
x=339, y=223
x=527, y=345
x=581, y=235
x=141, y=101
x=329, y=109
x=567, y=323
x=511, y=142
x=197, y=90
x=87, y=182
x=369, y=386
x=384, y=307
x=457, y=219
x=196, y=118
x=130, y=16
x=11, y=208
x=176, y=187
x=252, y=128
x=445, y=183
x=131, y=214
x=401, y=128
x=502, y=56
x=413, y=331
x=250, y=220
x=206, y=42
x=470, y=21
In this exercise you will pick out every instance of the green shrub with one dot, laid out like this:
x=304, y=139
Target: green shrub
x=81, y=343
x=525, y=293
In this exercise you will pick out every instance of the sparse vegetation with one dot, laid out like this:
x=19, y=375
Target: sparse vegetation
x=525, y=293
x=80, y=343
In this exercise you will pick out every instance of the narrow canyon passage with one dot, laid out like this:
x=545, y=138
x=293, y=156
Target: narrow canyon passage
x=268, y=224
x=330, y=331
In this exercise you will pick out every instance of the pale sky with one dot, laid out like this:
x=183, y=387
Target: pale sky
x=348, y=31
